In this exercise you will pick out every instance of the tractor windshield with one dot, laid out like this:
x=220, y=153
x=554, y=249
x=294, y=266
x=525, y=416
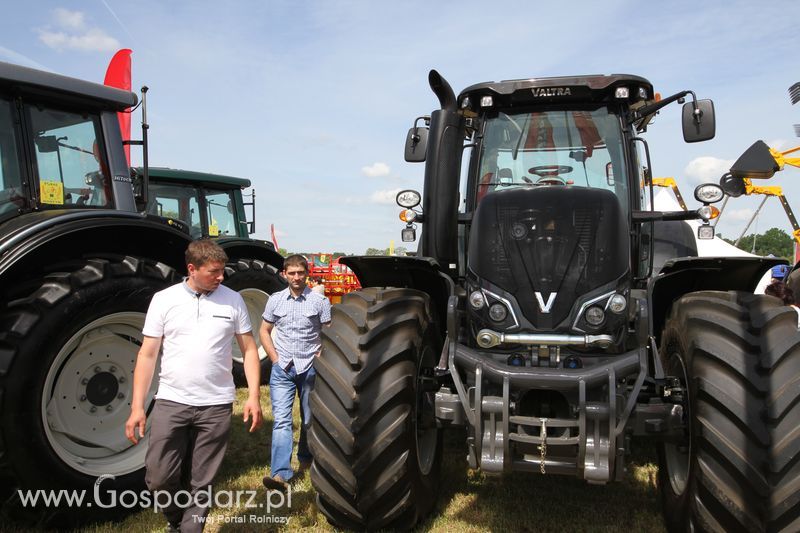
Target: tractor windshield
x=573, y=148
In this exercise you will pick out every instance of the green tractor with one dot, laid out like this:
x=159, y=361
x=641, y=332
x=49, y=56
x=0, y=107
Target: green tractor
x=550, y=313
x=212, y=206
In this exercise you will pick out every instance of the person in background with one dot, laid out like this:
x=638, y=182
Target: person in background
x=779, y=273
x=297, y=315
x=780, y=290
x=318, y=286
x=197, y=321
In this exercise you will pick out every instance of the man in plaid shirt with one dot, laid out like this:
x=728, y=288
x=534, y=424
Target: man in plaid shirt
x=297, y=315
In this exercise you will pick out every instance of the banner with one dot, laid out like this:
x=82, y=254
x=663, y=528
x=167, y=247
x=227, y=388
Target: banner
x=118, y=75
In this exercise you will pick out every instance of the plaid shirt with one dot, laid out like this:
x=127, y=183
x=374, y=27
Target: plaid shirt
x=298, y=323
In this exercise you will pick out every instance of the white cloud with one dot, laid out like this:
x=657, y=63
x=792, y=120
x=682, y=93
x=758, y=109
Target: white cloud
x=707, y=169
x=781, y=145
x=384, y=197
x=73, y=34
x=738, y=215
x=71, y=20
x=376, y=170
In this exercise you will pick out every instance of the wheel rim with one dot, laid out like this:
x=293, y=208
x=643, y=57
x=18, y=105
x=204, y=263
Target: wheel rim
x=678, y=456
x=425, y=421
x=87, y=393
x=256, y=301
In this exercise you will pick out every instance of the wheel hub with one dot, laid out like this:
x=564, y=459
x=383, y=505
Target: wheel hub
x=102, y=389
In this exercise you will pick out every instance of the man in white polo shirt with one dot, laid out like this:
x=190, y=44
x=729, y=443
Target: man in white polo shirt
x=197, y=321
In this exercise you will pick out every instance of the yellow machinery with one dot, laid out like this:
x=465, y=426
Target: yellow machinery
x=736, y=187
x=745, y=186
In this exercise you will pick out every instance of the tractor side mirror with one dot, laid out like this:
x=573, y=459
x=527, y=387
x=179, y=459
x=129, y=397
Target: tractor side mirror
x=46, y=143
x=756, y=162
x=699, y=123
x=416, y=144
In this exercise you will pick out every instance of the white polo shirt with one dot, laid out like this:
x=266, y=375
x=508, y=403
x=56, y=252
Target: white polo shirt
x=197, y=332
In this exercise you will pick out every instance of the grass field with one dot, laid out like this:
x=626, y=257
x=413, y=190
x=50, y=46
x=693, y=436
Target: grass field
x=468, y=500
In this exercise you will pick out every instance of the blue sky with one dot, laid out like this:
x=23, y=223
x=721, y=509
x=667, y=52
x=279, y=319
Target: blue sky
x=312, y=100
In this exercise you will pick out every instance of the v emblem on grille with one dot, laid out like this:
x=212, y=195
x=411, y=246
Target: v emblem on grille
x=545, y=307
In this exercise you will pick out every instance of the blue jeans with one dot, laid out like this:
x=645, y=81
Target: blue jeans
x=282, y=388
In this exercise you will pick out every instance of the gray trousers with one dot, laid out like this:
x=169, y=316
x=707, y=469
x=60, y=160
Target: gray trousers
x=185, y=450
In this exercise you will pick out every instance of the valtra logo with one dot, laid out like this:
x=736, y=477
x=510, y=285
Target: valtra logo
x=551, y=91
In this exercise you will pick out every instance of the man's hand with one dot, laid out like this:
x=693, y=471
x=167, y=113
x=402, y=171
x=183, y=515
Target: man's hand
x=142, y=376
x=252, y=372
x=253, y=407
x=265, y=333
x=137, y=420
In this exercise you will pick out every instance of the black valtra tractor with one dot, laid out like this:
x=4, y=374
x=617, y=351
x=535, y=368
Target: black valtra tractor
x=80, y=259
x=548, y=312
x=212, y=206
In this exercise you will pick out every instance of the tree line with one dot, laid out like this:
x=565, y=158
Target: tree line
x=773, y=241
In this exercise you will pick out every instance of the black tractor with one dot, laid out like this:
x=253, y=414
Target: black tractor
x=79, y=263
x=550, y=312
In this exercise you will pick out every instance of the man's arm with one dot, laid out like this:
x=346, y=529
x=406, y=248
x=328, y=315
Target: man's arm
x=142, y=377
x=252, y=372
x=265, y=334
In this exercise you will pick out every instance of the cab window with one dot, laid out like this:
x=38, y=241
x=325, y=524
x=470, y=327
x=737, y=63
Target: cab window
x=71, y=169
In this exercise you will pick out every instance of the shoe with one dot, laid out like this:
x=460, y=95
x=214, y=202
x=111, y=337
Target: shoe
x=275, y=482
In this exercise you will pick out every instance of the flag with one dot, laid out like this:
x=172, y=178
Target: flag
x=118, y=75
x=274, y=240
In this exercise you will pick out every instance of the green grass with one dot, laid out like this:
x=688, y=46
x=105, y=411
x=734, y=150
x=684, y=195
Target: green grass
x=468, y=500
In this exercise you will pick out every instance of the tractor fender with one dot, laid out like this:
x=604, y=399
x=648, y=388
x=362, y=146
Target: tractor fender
x=39, y=239
x=689, y=274
x=421, y=273
x=238, y=248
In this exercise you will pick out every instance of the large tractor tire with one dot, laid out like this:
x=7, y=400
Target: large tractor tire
x=70, y=340
x=737, y=356
x=255, y=281
x=373, y=433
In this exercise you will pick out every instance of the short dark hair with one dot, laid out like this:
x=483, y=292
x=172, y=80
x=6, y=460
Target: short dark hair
x=198, y=253
x=780, y=290
x=295, y=260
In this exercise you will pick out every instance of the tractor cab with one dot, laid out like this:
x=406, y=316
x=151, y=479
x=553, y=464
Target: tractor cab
x=211, y=205
x=554, y=203
x=60, y=146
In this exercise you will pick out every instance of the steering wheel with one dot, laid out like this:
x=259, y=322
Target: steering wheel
x=550, y=170
x=551, y=180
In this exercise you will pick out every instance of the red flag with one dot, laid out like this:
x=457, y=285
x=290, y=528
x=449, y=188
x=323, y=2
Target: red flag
x=274, y=240
x=119, y=75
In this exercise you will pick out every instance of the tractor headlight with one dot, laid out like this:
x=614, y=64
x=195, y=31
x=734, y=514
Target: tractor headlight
x=498, y=312
x=708, y=193
x=595, y=315
x=408, y=198
x=617, y=303
x=476, y=300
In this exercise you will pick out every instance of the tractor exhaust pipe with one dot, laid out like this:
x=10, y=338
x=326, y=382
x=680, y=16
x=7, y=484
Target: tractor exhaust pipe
x=442, y=90
x=442, y=171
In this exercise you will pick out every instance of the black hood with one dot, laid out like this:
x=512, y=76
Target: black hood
x=549, y=239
